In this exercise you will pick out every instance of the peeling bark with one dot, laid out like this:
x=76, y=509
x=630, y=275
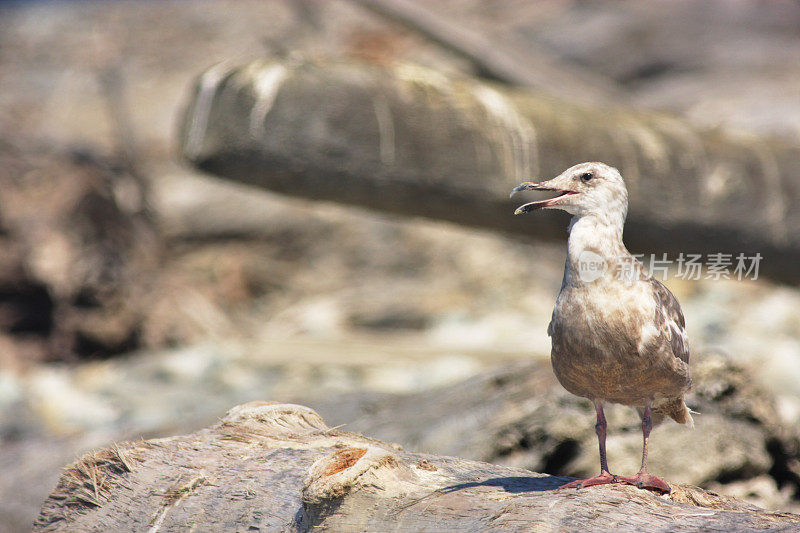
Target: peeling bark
x=279, y=467
x=411, y=141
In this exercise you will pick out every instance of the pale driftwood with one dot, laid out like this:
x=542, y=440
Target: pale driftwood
x=519, y=415
x=499, y=58
x=278, y=467
x=411, y=141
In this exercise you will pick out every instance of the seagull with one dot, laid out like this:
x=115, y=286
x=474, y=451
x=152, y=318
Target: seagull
x=618, y=335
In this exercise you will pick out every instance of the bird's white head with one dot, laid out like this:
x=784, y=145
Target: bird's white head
x=585, y=189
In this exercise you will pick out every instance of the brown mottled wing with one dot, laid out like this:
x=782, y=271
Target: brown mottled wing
x=671, y=319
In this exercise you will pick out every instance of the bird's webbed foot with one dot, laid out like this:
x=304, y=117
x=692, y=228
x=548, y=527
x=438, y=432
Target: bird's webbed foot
x=643, y=480
x=604, y=478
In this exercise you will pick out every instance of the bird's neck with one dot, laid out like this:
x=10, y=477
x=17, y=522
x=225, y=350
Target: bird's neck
x=594, y=238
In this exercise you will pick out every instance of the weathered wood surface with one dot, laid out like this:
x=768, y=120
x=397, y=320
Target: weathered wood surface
x=519, y=415
x=279, y=467
x=411, y=141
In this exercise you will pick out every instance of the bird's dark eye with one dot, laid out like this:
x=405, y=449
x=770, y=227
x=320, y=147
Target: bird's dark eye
x=586, y=176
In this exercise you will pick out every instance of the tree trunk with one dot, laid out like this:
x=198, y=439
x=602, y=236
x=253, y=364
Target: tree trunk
x=277, y=467
x=411, y=141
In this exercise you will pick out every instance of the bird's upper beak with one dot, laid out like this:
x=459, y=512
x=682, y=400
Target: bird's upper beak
x=542, y=204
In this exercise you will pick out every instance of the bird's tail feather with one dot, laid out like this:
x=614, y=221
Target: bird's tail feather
x=675, y=409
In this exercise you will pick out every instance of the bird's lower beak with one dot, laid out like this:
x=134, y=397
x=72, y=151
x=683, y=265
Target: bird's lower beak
x=542, y=186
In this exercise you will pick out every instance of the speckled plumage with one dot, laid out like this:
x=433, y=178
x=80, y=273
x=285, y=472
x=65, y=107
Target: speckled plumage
x=617, y=344
x=618, y=335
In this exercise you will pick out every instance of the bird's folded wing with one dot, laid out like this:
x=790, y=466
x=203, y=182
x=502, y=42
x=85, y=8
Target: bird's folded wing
x=671, y=320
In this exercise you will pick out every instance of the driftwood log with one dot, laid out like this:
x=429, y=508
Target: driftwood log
x=519, y=415
x=411, y=141
x=278, y=467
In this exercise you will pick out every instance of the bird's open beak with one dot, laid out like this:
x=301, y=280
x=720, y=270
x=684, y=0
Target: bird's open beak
x=542, y=204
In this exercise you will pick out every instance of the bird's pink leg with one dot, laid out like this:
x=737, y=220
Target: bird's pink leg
x=643, y=480
x=605, y=476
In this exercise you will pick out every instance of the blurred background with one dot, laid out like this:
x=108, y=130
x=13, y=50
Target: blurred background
x=142, y=297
